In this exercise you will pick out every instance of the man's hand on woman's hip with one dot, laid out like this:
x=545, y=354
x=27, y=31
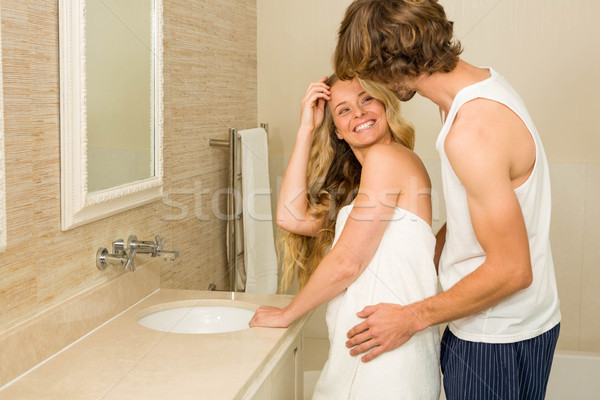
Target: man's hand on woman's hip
x=386, y=327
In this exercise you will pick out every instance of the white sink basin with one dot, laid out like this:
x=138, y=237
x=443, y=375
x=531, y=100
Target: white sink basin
x=198, y=319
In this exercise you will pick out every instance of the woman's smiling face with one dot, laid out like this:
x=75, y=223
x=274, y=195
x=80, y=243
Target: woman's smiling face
x=359, y=118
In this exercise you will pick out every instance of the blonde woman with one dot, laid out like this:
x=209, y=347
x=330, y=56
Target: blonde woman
x=354, y=185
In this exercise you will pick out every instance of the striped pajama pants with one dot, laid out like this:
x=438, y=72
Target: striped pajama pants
x=490, y=371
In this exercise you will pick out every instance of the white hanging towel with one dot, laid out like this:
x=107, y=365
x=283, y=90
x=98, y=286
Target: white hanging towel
x=260, y=259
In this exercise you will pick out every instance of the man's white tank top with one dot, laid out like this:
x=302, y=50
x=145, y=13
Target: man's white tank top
x=529, y=312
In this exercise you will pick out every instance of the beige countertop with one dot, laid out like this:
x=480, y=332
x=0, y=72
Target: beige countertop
x=124, y=360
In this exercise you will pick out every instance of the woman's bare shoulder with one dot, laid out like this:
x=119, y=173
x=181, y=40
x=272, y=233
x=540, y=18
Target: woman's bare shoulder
x=396, y=174
x=397, y=157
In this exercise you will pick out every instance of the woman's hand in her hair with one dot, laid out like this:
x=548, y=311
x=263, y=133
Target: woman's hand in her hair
x=313, y=105
x=271, y=317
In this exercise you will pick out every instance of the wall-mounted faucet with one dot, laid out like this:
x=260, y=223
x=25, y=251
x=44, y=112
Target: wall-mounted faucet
x=124, y=252
x=155, y=249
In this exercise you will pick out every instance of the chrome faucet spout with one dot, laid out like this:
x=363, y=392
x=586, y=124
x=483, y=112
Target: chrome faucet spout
x=168, y=255
x=141, y=246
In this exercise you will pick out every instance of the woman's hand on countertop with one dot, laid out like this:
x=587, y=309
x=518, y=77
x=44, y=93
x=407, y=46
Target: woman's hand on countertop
x=271, y=317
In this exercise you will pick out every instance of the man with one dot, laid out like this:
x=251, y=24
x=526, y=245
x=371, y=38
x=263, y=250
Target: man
x=500, y=298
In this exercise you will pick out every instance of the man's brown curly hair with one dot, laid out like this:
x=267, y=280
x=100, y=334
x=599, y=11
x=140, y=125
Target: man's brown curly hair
x=386, y=40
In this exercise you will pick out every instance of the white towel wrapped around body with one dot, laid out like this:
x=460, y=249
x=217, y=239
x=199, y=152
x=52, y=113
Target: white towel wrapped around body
x=401, y=272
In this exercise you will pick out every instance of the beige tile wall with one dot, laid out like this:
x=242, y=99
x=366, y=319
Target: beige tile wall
x=575, y=237
x=210, y=85
x=29, y=343
x=568, y=215
x=590, y=274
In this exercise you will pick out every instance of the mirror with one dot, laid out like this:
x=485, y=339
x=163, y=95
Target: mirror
x=111, y=107
x=119, y=90
x=2, y=183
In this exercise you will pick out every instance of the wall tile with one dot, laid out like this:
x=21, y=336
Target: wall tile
x=566, y=236
x=590, y=288
x=210, y=85
x=32, y=342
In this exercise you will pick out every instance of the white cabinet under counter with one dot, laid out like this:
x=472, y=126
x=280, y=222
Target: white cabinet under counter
x=284, y=378
x=124, y=360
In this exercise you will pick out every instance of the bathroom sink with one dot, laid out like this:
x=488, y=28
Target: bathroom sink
x=198, y=319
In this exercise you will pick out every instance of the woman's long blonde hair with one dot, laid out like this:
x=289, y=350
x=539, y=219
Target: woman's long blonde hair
x=332, y=182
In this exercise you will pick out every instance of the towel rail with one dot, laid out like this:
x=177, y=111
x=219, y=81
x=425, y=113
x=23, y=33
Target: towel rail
x=233, y=213
x=218, y=143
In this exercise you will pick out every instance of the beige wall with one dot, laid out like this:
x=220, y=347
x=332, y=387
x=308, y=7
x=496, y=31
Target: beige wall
x=210, y=84
x=549, y=51
x=2, y=189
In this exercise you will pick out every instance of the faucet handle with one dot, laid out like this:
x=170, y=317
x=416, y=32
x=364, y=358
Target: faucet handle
x=159, y=252
x=130, y=263
x=160, y=242
x=131, y=243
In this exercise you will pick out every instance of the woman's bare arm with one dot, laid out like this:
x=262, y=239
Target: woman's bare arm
x=293, y=213
x=360, y=238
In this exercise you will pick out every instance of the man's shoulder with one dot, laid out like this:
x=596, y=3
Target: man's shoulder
x=481, y=122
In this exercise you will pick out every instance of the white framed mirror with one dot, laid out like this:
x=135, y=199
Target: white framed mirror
x=111, y=107
x=2, y=183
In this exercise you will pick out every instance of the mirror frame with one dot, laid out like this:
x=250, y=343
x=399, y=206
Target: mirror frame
x=2, y=176
x=78, y=206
